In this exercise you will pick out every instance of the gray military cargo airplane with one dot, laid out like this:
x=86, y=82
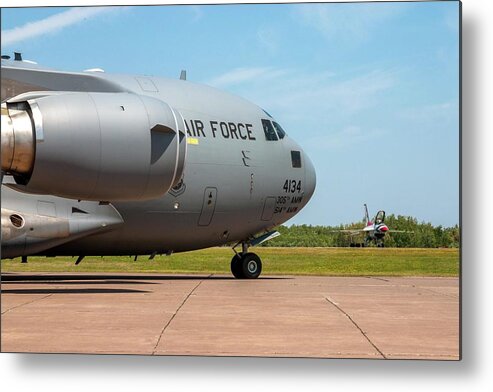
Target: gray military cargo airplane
x=101, y=164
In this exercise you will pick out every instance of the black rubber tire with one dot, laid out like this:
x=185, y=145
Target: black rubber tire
x=251, y=266
x=236, y=265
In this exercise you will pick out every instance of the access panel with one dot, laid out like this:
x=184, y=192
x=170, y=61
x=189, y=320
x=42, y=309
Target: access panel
x=208, y=206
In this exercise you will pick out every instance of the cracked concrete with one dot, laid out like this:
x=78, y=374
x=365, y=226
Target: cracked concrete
x=24, y=303
x=322, y=317
x=172, y=317
x=357, y=326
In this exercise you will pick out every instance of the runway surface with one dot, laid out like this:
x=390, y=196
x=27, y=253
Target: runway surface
x=288, y=316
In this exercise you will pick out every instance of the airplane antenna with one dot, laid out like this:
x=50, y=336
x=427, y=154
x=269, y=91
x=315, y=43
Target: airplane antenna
x=183, y=74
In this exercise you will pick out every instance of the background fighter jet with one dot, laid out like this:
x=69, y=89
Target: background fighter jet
x=100, y=164
x=374, y=231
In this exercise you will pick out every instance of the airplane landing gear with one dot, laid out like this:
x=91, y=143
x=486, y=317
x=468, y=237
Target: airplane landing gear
x=236, y=266
x=246, y=266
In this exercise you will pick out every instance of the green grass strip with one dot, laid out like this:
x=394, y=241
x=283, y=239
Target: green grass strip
x=276, y=261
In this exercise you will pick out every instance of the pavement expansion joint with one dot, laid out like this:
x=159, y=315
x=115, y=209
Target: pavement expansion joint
x=174, y=314
x=26, y=303
x=356, y=325
x=188, y=314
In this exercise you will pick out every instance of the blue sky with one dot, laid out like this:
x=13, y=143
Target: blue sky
x=369, y=90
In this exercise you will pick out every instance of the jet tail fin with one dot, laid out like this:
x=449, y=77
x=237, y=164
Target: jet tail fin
x=367, y=216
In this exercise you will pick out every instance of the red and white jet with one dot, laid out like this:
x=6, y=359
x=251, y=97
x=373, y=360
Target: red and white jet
x=375, y=230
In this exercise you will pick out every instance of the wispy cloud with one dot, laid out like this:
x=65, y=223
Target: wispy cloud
x=269, y=38
x=432, y=118
x=451, y=18
x=297, y=97
x=349, y=23
x=242, y=75
x=294, y=93
x=51, y=24
x=196, y=12
x=345, y=137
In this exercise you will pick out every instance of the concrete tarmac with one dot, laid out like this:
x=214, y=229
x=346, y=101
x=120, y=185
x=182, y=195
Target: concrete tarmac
x=275, y=316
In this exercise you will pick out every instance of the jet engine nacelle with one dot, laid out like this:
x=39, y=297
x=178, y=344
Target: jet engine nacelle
x=92, y=146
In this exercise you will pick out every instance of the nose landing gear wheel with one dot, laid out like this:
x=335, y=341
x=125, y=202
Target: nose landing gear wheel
x=246, y=266
x=251, y=266
x=236, y=266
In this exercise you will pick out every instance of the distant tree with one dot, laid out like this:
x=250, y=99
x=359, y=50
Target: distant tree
x=421, y=235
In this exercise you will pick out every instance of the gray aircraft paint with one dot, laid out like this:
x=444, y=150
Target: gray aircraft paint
x=252, y=182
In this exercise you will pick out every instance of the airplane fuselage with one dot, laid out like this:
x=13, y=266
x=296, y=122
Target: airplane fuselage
x=235, y=182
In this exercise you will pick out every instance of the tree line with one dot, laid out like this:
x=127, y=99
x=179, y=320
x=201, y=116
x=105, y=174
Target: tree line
x=421, y=235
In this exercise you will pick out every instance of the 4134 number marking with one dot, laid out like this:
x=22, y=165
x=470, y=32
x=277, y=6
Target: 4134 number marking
x=292, y=186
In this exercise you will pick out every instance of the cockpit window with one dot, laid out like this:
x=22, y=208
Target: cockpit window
x=270, y=134
x=280, y=131
x=380, y=217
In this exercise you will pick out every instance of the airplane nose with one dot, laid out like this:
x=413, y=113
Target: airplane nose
x=310, y=177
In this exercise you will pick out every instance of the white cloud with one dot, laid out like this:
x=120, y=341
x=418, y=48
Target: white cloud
x=346, y=137
x=293, y=94
x=435, y=117
x=451, y=18
x=196, y=11
x=51, y=24
x=269, y=38
x=326, y=102
x=350, y=23
x=242, y=75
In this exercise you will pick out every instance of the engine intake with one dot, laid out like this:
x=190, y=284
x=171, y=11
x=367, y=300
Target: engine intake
x=93, y=146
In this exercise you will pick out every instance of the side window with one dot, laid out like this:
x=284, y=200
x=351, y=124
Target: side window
x=296, y=158
x=280, y=131
x=270, y=134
